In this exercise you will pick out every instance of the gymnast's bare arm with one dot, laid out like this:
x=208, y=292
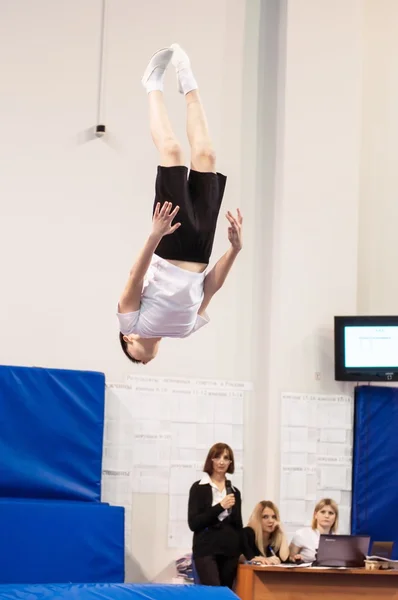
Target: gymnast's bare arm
x=215, y=279
x=130, y=299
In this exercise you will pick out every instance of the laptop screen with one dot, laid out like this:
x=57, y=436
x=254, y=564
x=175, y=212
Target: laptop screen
x=342, y=550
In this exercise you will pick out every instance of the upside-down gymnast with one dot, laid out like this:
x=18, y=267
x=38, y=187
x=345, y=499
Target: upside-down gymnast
x=169, y=288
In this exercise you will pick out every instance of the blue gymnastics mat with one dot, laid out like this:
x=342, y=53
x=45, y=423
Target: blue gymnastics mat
x=374, y=485
x=50, y=541
x=51, y=433
x=114, y=592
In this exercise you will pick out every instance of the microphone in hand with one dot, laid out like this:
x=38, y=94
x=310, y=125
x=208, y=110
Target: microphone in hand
x=228, y=490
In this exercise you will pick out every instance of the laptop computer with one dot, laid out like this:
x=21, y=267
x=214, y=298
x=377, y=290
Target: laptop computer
x=342, y=551
x=382, y=549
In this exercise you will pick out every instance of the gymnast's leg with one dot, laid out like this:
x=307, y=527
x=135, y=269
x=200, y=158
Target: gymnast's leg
x=203, y=157
x=161, y=130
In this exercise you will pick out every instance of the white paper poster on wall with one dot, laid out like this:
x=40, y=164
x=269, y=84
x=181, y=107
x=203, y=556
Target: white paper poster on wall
x=157, y=433
x=316, y=456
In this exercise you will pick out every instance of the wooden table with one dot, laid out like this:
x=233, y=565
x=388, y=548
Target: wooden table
x=299, y=583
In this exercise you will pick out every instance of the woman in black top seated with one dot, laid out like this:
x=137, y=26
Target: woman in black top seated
x=263, y=539
x=214, y=515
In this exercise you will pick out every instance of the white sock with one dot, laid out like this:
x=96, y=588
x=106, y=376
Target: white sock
x=155, y=80
x=186, y=80
x=154, y=73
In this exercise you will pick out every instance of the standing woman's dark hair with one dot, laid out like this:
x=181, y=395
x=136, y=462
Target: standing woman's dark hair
x=214, y=515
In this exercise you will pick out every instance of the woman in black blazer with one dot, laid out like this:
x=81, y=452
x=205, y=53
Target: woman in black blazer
x=214, y=515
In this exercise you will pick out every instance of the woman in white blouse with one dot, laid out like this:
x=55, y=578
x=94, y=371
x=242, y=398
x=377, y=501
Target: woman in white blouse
x=305, y=542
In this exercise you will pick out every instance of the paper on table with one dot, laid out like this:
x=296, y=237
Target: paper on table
x=383, y=558
x=293, y=566
x=280, y=566
x=340, y=568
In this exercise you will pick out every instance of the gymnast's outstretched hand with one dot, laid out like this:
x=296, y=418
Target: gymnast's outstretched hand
x=163, y=218
x=235, y=230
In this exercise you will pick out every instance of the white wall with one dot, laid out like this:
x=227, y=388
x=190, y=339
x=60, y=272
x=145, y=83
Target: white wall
x=378, y=249
x=315, y=208
x=282, y=83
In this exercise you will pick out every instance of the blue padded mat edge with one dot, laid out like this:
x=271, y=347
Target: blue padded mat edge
x=51, y=433
x=125, y=591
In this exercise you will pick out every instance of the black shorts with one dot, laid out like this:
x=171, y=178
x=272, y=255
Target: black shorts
x=199, y=197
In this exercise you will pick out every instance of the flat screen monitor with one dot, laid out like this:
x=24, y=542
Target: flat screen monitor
x=366, y=348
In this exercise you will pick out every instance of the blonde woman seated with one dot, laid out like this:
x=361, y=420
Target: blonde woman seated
x=305, y=542
x=263, y=539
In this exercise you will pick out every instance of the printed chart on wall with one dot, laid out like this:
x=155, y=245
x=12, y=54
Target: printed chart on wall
x=157, y=433
x=316, y=457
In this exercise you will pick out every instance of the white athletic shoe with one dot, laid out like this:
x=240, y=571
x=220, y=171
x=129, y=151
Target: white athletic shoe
x=181, y=62
x=156, y=68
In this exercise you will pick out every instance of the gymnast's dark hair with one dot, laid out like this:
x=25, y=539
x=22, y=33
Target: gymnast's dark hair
x=124, y=348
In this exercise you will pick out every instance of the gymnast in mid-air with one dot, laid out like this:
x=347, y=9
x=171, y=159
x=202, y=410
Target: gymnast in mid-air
x=169, y=288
